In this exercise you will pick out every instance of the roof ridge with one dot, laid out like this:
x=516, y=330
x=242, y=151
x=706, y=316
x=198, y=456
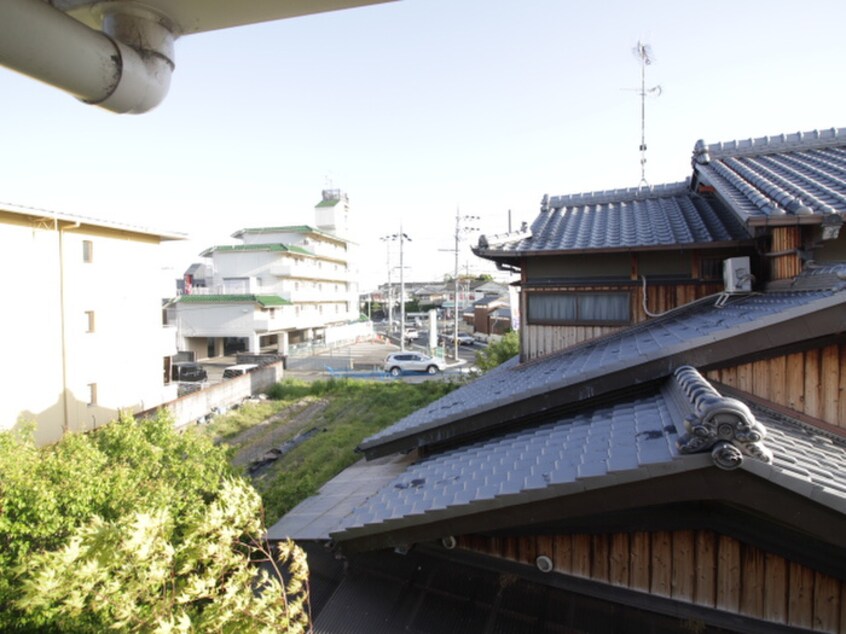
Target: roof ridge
x=768, y=144
x=615, y=195
x=720, y=424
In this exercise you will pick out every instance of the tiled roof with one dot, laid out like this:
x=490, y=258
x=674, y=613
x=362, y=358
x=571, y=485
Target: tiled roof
x=280, y=248
x=794, y=175
x=659, y=217
x=262, y=300
x=543, y=461
x=687, y=335
x=612, y=445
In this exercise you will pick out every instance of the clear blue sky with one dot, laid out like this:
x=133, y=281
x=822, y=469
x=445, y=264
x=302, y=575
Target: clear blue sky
x=419, y=107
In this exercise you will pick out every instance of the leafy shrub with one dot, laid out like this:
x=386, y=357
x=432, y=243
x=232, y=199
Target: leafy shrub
x=499, y=352
x=137, y=528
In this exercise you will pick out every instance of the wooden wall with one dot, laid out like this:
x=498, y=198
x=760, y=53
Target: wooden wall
x=694, y=566
x=540, y=340
x=811, y=382
x=785, y=241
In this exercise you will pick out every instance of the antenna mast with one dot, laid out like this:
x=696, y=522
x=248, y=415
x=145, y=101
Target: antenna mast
x=644, y=53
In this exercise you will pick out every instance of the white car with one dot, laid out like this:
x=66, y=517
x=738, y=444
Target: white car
x=411, y=334
x=398, y=362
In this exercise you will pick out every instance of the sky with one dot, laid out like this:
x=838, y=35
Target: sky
x=421, y=110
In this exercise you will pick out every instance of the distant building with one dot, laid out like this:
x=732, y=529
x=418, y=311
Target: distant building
x=281, y=286
x=83, y=337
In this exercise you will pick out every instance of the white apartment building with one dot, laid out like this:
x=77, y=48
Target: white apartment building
x=82, y=328
x=280, y=286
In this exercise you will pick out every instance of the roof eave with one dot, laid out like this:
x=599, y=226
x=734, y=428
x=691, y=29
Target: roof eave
x=516, y=256
x=692, y=479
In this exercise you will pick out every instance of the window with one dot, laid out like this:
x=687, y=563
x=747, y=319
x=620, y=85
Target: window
x=92, y=394
x=578, y=308
x=89, y=317
x=87, y=251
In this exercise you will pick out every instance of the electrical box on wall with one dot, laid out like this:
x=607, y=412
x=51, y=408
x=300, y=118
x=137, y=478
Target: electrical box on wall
x=737, y=275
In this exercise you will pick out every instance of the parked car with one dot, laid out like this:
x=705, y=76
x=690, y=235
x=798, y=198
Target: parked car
x=188, y=371
x=238, y=370
x=399, y=362
x=463, y=339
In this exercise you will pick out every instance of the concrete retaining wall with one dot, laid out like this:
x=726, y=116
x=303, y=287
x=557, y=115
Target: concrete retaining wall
x=194, y=407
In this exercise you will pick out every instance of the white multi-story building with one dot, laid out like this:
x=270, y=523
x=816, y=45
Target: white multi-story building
x=82, y=331
x=280, y=286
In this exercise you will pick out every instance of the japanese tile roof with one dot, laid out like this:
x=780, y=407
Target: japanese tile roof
x=280, y=248
x=632, y=440
x=262, y=300
x=666, y=216
x=701, y=332
x=791, y=176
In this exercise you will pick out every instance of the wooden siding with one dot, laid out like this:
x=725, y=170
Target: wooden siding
x=812, y=382
x=699, y=567
x=785, y=262
x=540, y=340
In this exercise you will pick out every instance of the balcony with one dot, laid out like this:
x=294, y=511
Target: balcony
x=309, y=271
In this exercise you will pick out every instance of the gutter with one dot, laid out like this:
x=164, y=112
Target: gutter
x=126, y=68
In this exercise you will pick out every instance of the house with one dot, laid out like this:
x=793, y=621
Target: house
x=597, y=262
x=488, y=315
x=281, y=286
x=594, y=263
x=84, y=339
x=685, y=472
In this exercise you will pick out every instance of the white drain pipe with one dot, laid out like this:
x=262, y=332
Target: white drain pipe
x=125, y=69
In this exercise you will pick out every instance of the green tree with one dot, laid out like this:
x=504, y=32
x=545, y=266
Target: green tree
x=498, y=352
x=138, y=528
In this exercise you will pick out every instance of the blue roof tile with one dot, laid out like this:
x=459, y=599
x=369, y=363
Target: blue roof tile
x=559, y=453
x=801, y=174
x=666, y=216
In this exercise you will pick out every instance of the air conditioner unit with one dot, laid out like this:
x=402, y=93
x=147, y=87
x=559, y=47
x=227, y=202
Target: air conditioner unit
x=737, y=275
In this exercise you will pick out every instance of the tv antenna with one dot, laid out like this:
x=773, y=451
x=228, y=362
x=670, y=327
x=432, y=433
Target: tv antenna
x=643, y=52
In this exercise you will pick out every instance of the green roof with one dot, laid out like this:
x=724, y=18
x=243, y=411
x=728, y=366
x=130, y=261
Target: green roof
x=285, y=229
x=288, y=229
x=283, y=248
x=327, y=203
x=263, y=300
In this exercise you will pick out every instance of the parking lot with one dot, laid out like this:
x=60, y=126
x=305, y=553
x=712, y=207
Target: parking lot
x=362, y=360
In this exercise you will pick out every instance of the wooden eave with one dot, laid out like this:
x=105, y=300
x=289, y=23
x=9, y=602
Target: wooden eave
x=681, y=610
x=747, y=507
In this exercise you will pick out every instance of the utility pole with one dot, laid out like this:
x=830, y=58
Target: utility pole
x=387, y=240
x=402, y=237
x=458, y=231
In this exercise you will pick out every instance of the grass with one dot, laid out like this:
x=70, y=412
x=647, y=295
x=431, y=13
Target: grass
x=346, y=411
x=245, y=417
